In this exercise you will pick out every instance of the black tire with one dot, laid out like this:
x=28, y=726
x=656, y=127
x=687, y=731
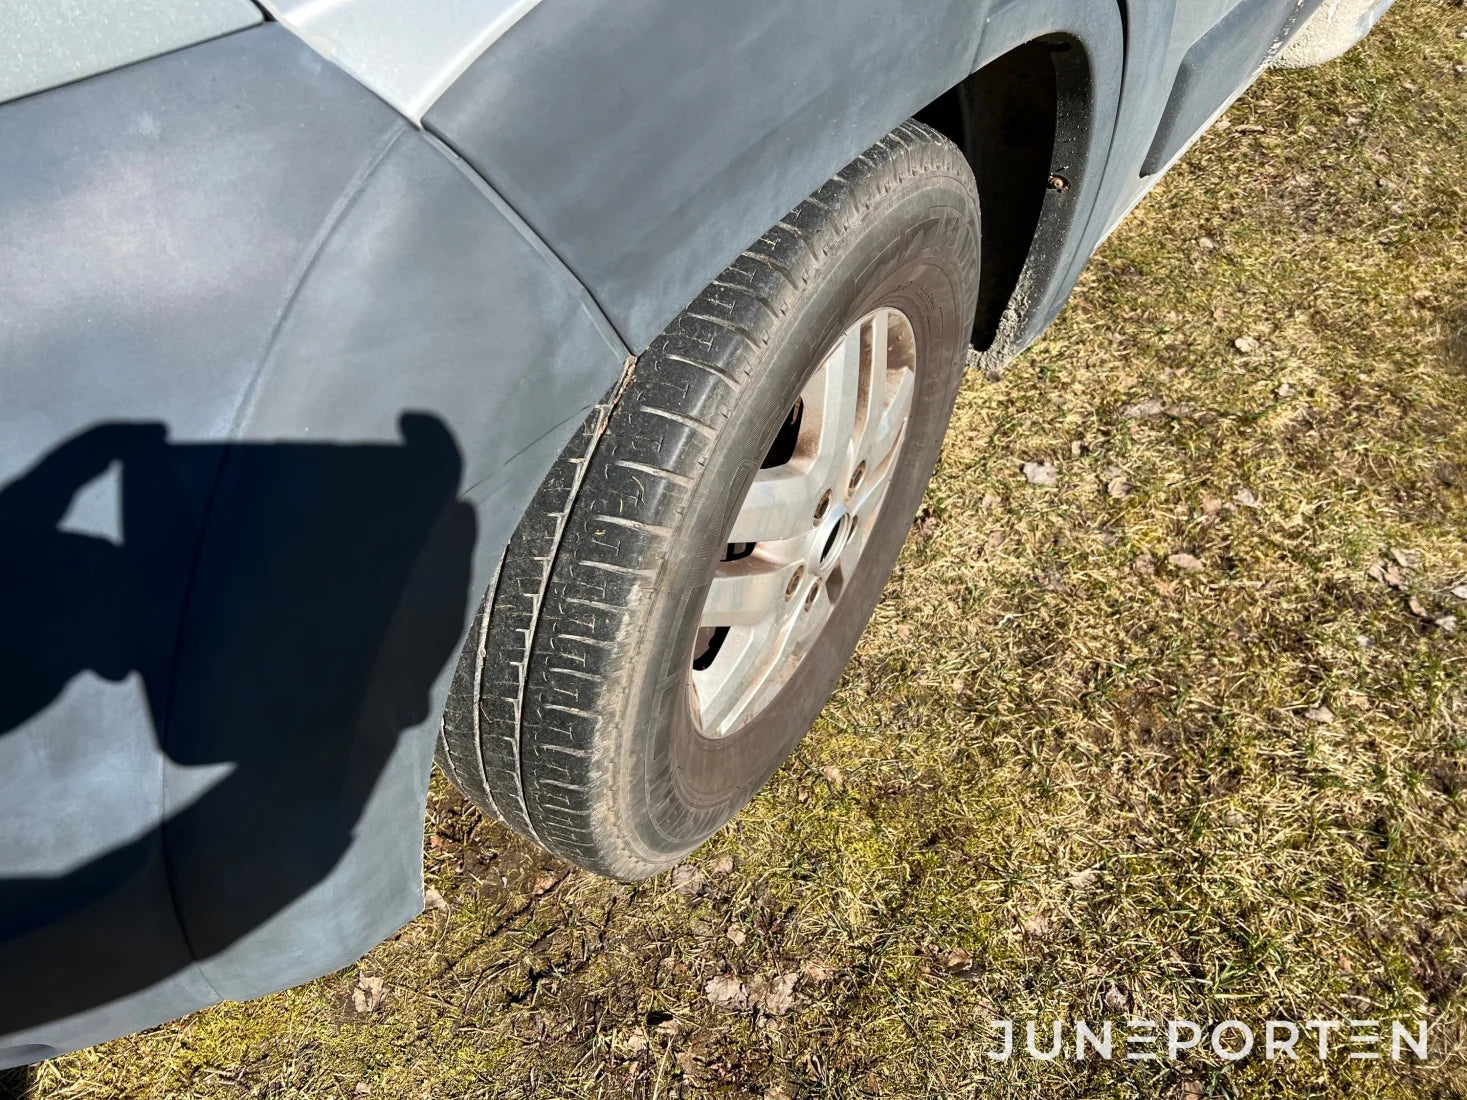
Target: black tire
x=570, y=716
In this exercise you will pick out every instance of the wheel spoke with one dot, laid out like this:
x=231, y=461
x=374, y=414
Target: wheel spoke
x=724, y=684
x=889, y=401
x=747, y=591
x=780, y=505
x=832, y=402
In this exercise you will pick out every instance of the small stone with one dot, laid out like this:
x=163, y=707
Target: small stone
x=1321, y=714
x=432, y=899
x=1246, y=344
x=1447, y=623
x=1417, y=608
x=1041, y=474
x=1460, y=591
x=1285, y=391
x=1118, y=488
x=1185, y=562
x=723, y=865
x=1245, y=498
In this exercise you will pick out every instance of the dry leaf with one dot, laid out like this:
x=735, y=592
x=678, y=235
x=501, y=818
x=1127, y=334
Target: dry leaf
x=1404, y=558
x=1246, y=344
x=1185, y=562
x=736, y=935
x=432, y=899
x=1321, y=714
x=1081, y=879
x=1041, y=473
x=777, y=997
x=1211, y=505
x=834, y=776
x=1143, y=566
x=1034, y=924
x=1118, y=488
x=544, y=882
x=1387, y=574
x=726, y=991
x=777, y=1092
x=1144, y=410
x=903, y=631
x=1417, y=608
x=1116, y=997
x=1460, y=591
x=670, y=1026
x=362, y=1089
x=723, y=865
x=368, y=994
x=816, y=973
x=1447, y=623
x=958, y=959
x=687, y=880
x=1246, y=498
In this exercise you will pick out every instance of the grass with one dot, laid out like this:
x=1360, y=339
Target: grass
x=1075, y=778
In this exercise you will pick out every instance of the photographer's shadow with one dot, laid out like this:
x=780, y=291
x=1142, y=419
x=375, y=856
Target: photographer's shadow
x=286, y=609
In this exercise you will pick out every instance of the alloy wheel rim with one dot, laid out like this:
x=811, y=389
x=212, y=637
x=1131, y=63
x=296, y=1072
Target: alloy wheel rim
x=801, y=530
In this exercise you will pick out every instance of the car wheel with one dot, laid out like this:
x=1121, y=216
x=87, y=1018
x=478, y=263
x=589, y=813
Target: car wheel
x=679, y=601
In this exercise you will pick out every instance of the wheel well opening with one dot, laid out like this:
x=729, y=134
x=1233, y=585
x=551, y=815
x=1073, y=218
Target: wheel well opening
x=1005, y=118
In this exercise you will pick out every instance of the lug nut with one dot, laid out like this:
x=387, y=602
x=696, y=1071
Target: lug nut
x=823, y=507
x=812, y=594
x=858, y=477
x=795, y=579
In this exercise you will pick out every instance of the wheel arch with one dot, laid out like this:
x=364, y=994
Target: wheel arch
x=647, y=195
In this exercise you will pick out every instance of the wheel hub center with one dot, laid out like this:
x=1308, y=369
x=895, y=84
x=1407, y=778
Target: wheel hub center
x=831, y=539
